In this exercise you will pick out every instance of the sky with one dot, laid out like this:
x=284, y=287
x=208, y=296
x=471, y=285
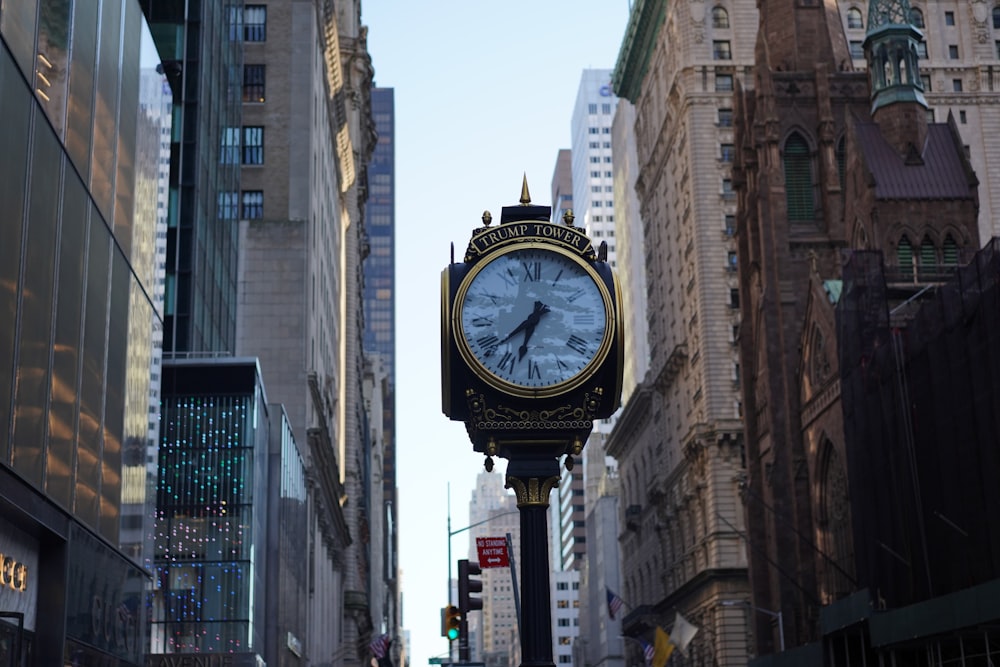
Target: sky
x=484, y=95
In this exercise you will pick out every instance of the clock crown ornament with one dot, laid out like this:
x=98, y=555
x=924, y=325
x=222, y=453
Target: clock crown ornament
x=531, y=334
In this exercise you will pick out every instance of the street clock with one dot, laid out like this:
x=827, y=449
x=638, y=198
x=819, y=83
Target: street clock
x=531, y=333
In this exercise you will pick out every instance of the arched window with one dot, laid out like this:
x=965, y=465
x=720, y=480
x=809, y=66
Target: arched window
x=798, y=179
x=949, y=252
x=917, y=17
x=720, y=17
x=835, y=515
x=996, y=18
x=928, y=253
x=854, y=19
x=904, y=255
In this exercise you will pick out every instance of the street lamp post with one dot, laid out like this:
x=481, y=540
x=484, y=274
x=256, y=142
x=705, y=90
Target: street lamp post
x=768, y=612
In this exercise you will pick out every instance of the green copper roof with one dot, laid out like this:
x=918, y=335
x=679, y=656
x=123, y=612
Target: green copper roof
x=644, y=23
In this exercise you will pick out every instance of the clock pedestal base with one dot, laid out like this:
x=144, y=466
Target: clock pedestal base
x=532, y=480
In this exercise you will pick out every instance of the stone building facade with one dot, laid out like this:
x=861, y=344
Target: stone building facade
x=678, y=441
x=304, y=145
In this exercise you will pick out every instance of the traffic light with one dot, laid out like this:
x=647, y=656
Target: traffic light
x=467, y=586
x=451, y=622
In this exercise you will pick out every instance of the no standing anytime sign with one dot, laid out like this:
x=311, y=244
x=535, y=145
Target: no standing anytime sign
x=492, y=552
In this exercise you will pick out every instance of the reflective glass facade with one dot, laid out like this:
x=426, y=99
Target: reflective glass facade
x=76, y=320
x=203, y=60
x=380, y=265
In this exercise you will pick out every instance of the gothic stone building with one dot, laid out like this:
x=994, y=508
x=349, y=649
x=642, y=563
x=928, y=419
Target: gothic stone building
x=829, y=160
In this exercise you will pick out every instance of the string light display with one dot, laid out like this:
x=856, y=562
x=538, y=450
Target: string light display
x=204, y=524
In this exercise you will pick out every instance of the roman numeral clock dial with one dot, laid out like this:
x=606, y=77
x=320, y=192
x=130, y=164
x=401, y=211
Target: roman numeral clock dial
x=533, y=319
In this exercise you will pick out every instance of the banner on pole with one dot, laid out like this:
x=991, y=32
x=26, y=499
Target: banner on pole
x=492, y=552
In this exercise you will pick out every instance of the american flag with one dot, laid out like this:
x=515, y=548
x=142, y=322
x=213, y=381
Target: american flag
x=615, y=603
x=380, y=645
x=647, y=651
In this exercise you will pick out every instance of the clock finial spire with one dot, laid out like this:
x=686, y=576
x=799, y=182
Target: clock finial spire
x=525, y=197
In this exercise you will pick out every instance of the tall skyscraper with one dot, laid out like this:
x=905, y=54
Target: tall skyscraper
x=79, y=160
x=300, y=219
x=592, y=161
x=679, y=438
x=380, y=327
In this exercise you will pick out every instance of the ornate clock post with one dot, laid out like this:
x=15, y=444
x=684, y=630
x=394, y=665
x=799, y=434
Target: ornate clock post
x=531, y=356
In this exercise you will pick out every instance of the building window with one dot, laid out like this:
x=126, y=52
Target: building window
x=727, y=152
x=734, y=298
x=229, y=205
x=928, y=253
x=854, y=20
x=253, y=145
x=606, y=109
x=904, y=255
x=730, y=225
x=253, y=205
x=798, y=178
x=857, y=50
x=949, y=18
x=229, y=152
x=253, y=83
x=961, y=116
x=956, y=85
x=727, y=188
x=949, y=251
x=591, y=108
x=593, y=130
x=595, y=159
x=731, y=261
x=723, y=83
x=925, y=79
x=996, y=18
x=953, y=51
x=917, y=17
x=922, y=50
x=720, y=17
x=254, y=23
x=721, y=50
x=725, y=117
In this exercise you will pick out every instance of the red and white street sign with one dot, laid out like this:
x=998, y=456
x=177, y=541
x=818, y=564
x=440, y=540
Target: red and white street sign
x=492, y=552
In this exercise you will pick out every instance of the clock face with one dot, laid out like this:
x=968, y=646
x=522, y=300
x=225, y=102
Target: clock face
x=533, y=317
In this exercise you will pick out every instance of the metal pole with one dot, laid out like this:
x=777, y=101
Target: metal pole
x=449, y=543
x=781, y=632
x=513, y=579
x=450, y=651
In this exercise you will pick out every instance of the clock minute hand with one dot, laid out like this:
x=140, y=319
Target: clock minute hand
x=532, y=322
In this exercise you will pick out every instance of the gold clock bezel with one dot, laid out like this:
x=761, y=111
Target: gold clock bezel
x=499, y=383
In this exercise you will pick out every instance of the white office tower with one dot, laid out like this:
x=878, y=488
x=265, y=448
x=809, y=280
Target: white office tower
x=593, y=177
x=490, y=630
x=564, y=591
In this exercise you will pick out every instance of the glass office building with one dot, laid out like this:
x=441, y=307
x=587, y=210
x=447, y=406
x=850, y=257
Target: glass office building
x=77, y=239
x=201, y=44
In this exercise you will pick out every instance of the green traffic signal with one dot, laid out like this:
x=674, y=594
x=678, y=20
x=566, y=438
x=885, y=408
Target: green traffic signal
x=451, y=622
